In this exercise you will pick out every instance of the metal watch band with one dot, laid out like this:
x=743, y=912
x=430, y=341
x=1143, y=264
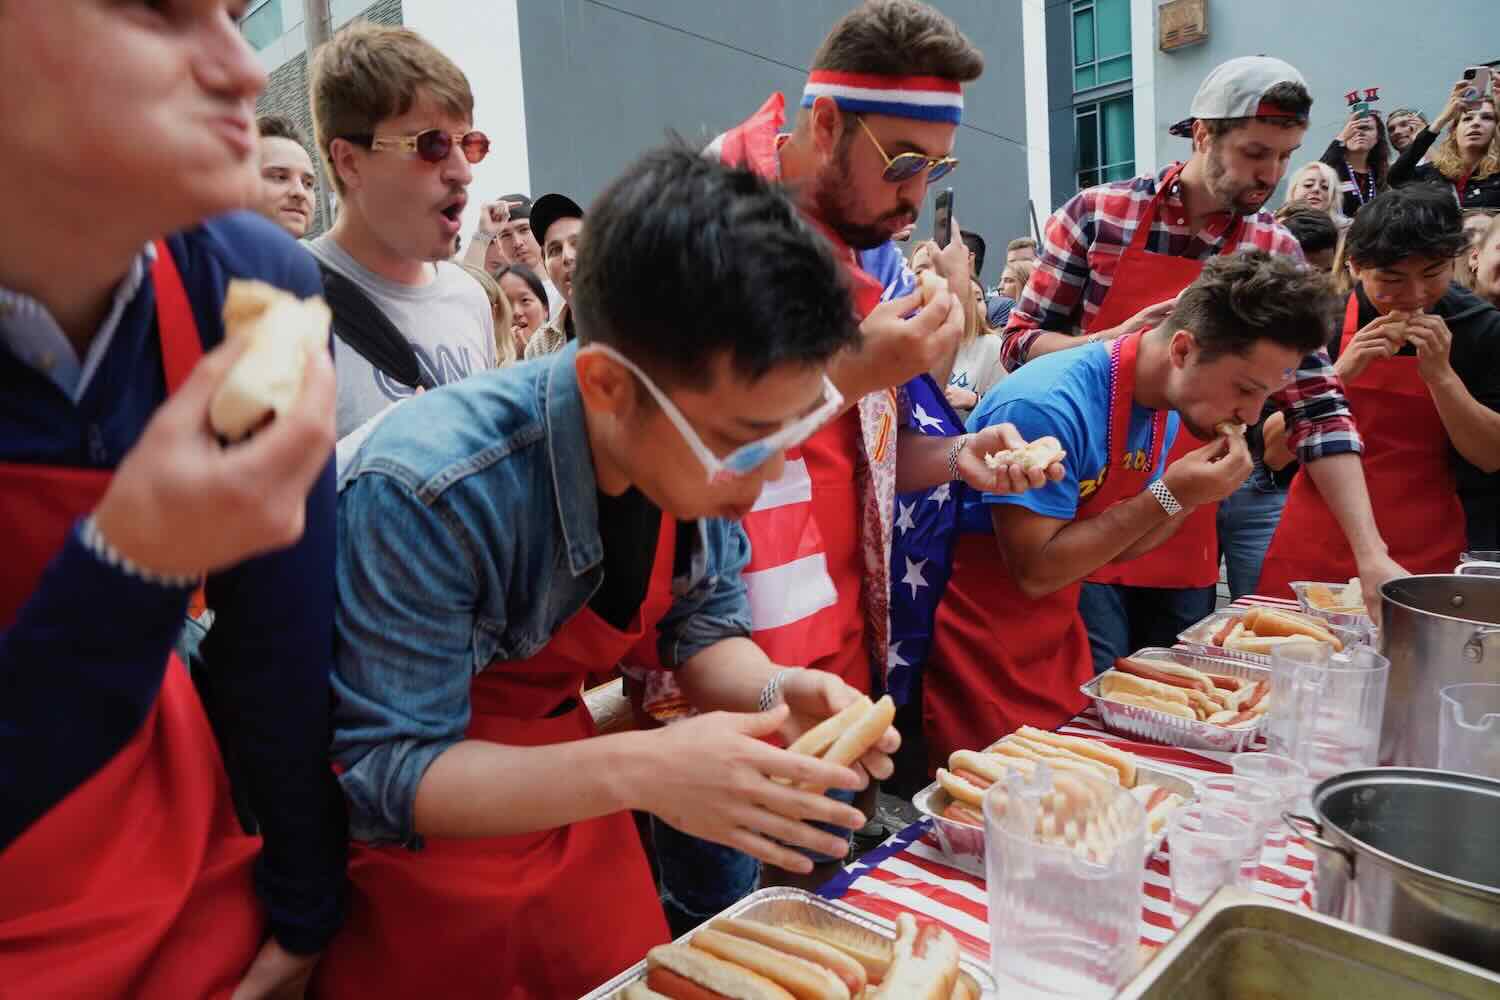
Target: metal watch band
x=480, y=236
x=1164, y=496
x=100, y=548
x=958, y=446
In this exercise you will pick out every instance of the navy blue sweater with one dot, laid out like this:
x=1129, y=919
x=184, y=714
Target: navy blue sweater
x=83, y=663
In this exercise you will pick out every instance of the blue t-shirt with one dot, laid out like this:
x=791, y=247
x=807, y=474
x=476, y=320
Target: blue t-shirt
x=1065, y=394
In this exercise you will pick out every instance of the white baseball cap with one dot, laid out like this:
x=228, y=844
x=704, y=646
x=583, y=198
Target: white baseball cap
x=1237, y=89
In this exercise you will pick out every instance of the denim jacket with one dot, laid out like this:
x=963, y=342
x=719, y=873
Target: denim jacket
x=468, y=533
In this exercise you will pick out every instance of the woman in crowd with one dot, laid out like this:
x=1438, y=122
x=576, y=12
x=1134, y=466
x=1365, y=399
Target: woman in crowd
x=505, y=343
x=1315, y=185
x=1360, y=157
x=1013, y=279
x=977, y=365
x=1467, y=160
x=1420, y=363
x=529, y=307
x=1476, y=225
x=1484, y=262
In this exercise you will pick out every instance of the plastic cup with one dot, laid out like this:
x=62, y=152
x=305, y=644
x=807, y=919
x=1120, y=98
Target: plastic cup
x=1469, y=729
x=1478, y=563
x=1245, y=798
x=1289, y=778
x=1065, y=859
x=1282, y=715
x=1207, y=847
x=1339, y=709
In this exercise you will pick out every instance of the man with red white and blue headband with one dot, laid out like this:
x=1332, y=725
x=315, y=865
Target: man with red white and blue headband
x=877, y=122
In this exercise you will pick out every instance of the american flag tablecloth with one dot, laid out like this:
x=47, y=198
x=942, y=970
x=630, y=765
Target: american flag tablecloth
x=910, y=872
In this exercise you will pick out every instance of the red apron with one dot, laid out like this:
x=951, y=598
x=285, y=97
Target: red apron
x=1413, y=493
x=138, y=883
x=999, y=659
x=1190, y=558
x=552, y=913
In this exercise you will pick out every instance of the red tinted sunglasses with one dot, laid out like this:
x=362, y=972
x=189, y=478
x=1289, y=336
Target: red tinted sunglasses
x=433, y=145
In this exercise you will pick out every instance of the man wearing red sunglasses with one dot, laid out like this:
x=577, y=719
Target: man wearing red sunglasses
x=126, y=131
x=394, y=123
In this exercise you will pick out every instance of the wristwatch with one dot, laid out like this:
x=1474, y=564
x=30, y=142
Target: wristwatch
x=1164, y=496
x=480, y=236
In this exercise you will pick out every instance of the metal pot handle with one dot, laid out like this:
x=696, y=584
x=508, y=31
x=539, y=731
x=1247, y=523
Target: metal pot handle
x=1474, y=648
x=1297, y=822
x=1332, y=894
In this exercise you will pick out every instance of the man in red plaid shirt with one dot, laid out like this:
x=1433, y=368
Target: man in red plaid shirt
x=1247, y=119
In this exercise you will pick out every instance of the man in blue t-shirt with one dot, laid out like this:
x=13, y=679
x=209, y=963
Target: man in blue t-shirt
x=1009, y=647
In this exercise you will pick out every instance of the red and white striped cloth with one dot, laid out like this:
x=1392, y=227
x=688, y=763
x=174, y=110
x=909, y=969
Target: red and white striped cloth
x=910, y=871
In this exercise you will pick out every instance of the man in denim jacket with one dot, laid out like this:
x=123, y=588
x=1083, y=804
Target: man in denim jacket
x=503, y=536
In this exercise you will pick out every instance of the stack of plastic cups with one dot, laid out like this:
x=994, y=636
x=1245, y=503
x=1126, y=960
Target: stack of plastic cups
x=1065, y=919
x=1289, y=778
x=1257, y=803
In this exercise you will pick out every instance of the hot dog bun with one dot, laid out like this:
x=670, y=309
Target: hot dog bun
x=849, y=973
x=924, y=963
x=267, y=378
x=1123, y=763
x=816, y=741
x=1038, y=454
x=801, y=978
x=862, y=734
x=675, y=970
x=1166, y=672
x=640, y=991
x=1113, y=682
x=1230, y=427
x=1273, y=622
x=1155, y=704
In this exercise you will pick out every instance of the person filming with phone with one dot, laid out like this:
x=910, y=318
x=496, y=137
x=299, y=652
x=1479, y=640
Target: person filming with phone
x=1468, y=158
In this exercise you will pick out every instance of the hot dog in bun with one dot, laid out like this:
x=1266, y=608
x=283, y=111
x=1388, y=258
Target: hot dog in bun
x=835, y=974
x=929, y=284
x=267, y=378
x=924, y=963
x=847, y=736
x=682, y=972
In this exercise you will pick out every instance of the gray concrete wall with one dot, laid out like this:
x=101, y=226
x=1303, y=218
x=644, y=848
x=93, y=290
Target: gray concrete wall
x=1412, y=52
x=603, y=81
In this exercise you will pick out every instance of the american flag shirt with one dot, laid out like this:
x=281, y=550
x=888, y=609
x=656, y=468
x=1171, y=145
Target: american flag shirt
x=1081, y=248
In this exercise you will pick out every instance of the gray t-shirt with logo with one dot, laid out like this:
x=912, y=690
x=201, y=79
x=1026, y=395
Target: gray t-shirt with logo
x=448, y=322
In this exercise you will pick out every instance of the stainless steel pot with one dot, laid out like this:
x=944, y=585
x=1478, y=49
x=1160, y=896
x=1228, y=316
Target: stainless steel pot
x=1436, y=631
x=1411, y=853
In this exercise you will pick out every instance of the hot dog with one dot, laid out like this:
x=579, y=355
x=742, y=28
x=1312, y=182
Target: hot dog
x=847, y=736
x=267, y=378
x=805, y=980
x=1184, y=692
x=928, y=283
x=959, y=812
x=924, y=963
x=1158, y=803
x=1166, y=672
x=1230, y=428
x=1273, y=622
x=1123, y=763
x=849, y=973
x=1117, y=681
x=681, y=972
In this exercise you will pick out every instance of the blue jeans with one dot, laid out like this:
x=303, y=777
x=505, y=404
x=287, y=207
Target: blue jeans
x=699, y=878
x=1121, y=620
x=1247, y=520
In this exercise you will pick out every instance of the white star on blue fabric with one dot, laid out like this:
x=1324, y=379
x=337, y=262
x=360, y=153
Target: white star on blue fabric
x=941, y=495
x=893, y=657
x=926, y=420
x=914, y=575
x=904, y=523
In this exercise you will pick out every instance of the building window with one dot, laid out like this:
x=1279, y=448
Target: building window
x=1105, y=140
x=262, y=24
x=1101, y=43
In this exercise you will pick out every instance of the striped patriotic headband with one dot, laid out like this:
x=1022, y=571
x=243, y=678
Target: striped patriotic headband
x=928, y=98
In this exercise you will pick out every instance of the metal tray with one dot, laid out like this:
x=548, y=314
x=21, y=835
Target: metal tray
x=964, y=844
x=1242, y=946
x=1198, y=637
x=1190, y=734
x=797, y=906
x=1358, y=621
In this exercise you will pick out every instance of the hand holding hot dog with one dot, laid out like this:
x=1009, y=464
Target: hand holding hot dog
x=816, y=697
x=713, y=777
x=1210, y=473
x=1381, y=338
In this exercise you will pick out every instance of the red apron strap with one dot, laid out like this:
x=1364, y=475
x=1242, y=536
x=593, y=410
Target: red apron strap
x=1148, y=218
x=1351, y=321
x=181, y=347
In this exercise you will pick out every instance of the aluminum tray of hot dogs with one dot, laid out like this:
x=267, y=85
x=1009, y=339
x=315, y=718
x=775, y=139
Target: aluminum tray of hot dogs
x=1234, y=680
x=870, y=942
x=1225, y=633
x=960, y=830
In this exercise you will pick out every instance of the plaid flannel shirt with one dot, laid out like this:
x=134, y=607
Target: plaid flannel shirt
x=1082, y=247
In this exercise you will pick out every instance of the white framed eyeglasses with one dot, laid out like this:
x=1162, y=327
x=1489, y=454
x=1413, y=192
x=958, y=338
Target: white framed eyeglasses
x=746, y=458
